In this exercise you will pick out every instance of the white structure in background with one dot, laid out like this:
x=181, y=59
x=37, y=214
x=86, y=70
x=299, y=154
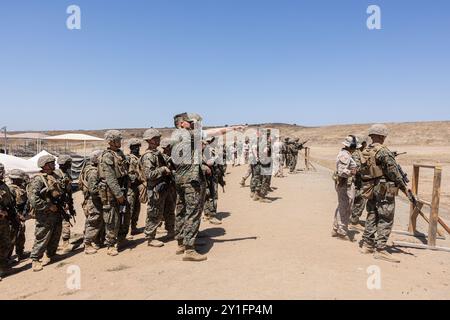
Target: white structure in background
x=29, y=166
x=74, y=137
x=36, y=136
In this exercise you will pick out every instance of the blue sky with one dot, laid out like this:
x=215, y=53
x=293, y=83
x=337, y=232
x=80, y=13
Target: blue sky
x=137, y=63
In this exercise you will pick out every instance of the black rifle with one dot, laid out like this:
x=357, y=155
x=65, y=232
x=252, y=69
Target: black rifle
x=58, y=202
x=396, y=154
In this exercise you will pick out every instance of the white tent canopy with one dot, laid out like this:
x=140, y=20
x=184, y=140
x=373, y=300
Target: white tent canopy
x=75, y=137
x=27, y=135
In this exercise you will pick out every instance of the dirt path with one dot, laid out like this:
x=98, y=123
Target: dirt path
x=281, y=250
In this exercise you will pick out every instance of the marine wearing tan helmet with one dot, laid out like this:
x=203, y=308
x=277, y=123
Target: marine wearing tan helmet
x=44, y=160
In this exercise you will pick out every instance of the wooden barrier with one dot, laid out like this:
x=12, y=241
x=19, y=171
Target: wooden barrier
x=433, y=220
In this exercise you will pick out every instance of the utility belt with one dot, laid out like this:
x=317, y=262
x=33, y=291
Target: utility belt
x=381, y=186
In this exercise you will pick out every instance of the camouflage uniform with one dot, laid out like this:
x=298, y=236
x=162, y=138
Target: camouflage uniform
x=19, y=193
x=381, y=200
x=190, y=184
x=48, y=224
x=65, y=180
x=212, y=187
x=293, y=154
x=131, y=216
x=155, y=167
x=113, y=171
x=92, y=205
x=6, y=203
x=360, y=202
x=345, y=191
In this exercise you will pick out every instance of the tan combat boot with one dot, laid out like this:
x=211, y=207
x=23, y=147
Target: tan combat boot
x=37, y=266
x=386, y=256
x=89, y=249
x=263, y=199
x=191, y=255
x=334, y=233
x=155, y=243
x=66, y=247
x=365, y=249
x=242, y=183
x=95, y=246
x=215, y=221
x=181, y=247
x=112, y=251
x=256, y=197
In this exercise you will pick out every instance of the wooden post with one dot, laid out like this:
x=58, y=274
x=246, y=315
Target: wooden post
x=415, y=190
x=434, y=216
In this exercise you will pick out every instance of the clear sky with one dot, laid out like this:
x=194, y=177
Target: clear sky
x=136, y=63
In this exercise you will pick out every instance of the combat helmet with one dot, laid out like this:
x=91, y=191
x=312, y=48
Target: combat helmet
x=378, y=130
x=17, y=174
x=150, y=134
x=64, y=159
x=113, y=135
x=134, y=142
x=95, y=156
x=42, y=161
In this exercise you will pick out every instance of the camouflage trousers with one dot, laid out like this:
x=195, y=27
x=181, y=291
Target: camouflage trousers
x=94, y=222
x=190, y=202
x=131, y=215
x=47, y=235
x=5, y=242
x=380, y=216
x=260, y=182
x=18, y=239
x=293, y=162
x=65, y=230
x=248, y=173
x=211, y=197
x=342, y=214
x=358, y=207
x=160, y=207
x=111, y=218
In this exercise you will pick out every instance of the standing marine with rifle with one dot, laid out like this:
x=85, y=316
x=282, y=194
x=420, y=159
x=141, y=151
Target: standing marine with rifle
x=134, y=185
x=65, y=179
x=8, y=218
x=92, y=204
x=155, y=170
x=212, y=181
x=18, y=190
x=46, y=201
x=382, y=178
x=113, y=172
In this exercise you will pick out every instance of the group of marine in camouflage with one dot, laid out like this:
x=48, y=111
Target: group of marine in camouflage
x=176, y=193
x=114, y=186
x=368, y=176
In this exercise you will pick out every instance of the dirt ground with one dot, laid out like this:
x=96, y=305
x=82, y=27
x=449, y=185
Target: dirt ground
x=281, y=250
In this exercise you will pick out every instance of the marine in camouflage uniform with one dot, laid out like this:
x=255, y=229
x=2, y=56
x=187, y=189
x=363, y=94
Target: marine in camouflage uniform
x=92, y=205
x=359, y=204
x=261, y=172
x=381, y=182
x=65, y=178
x=18, y=190
x=113, y=173
x=43, y=193
x=190, y=183
x=165, y=148
x=134, y=183
x=158, y=175
x=7, y=211
x=345, y=171
x=213, y=180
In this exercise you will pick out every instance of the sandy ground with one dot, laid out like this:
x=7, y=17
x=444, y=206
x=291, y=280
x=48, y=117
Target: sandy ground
x=281, y=250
